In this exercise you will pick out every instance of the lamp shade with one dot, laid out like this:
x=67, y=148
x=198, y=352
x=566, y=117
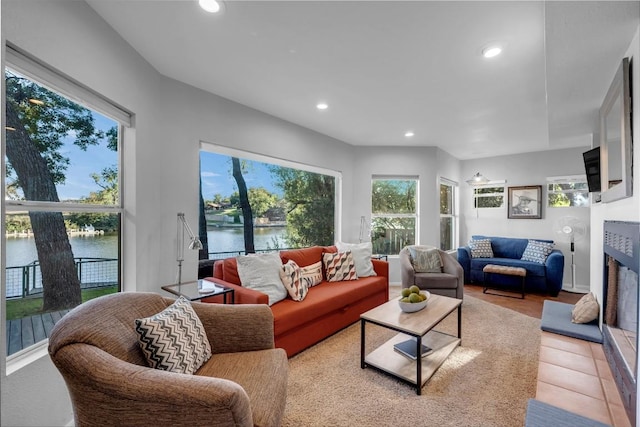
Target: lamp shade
x=478, y=179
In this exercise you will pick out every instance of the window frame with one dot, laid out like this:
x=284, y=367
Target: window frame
x=249, y=155
x=490, y=184
x=454, y=215
x=568, y=179
x=415, y=215
x=63, y=85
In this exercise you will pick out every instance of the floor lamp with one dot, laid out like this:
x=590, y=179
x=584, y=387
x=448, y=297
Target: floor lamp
x=195, y=243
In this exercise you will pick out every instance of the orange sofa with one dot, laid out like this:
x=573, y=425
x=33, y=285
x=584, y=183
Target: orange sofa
x=327, y=308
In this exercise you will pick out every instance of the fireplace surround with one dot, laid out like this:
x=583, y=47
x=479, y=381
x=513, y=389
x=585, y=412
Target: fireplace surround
x=621, y=247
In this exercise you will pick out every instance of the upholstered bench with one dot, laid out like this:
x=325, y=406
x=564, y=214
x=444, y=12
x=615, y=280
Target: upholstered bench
x=556, y=318
x=505, y=271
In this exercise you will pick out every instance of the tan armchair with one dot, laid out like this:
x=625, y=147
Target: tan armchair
x=450, y=282
x=96, y=350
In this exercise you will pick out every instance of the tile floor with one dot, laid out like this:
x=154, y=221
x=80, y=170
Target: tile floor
x=574, y=375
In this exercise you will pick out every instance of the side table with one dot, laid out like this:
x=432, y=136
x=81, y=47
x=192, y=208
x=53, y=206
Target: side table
x=194, y=291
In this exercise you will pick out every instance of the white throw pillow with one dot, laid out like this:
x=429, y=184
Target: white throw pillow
x=261, y=272
x=361, y=253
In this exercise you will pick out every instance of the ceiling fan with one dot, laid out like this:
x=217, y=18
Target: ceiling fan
x=571, y=229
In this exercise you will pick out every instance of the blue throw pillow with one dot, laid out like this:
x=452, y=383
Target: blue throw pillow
x=537, y=251
x=481, y=248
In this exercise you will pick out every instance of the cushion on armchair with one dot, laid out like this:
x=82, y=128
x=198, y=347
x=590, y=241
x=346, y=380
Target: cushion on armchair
x=425, y=260
x=174, y=340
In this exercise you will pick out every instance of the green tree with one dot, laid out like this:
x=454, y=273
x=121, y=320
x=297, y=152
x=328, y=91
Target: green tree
x=37, y=121
x=310, y=206
x=107, y=180
x=393, y=196
x=261, y=200
x=202, y=227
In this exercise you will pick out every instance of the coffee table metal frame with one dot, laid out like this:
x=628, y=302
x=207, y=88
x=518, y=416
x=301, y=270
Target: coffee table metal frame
x=418, y=325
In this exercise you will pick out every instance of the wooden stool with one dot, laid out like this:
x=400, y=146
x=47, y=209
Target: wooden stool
x=506, y=271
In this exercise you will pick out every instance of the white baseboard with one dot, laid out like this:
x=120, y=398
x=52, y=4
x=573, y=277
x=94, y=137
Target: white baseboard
x=578, y=289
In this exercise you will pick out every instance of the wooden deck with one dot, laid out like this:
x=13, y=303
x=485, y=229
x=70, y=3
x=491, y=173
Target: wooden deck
x=22, y=333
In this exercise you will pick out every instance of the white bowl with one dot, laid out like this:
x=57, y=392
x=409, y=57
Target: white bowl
x=412, y=307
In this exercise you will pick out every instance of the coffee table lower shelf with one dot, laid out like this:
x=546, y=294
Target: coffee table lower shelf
x=386, y=359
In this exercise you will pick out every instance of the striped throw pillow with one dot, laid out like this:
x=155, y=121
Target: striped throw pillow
x=312, y=274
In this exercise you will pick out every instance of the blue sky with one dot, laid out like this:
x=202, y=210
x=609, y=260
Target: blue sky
x=217, y=178
x=78, y=181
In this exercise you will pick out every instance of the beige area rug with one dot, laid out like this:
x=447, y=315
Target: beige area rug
x=485, y=382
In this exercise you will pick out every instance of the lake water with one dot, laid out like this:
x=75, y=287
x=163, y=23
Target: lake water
x=22, y=251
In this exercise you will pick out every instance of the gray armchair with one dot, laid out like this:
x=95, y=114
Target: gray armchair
x=450, y=282
x=244, y=383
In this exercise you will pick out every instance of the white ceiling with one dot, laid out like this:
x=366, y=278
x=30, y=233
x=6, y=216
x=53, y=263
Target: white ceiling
x=385, y=67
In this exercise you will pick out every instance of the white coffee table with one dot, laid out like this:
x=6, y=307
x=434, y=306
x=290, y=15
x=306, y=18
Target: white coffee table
x=418, y=325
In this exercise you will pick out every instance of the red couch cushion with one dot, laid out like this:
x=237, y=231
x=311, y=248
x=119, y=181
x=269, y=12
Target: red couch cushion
x=323, y=299
x=303, y=257
x=230, y=271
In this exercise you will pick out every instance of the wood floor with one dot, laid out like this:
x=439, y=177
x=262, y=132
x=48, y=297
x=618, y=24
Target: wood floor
x=531, y=305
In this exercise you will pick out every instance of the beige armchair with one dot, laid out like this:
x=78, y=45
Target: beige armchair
x=244, y=383
x=450, y=282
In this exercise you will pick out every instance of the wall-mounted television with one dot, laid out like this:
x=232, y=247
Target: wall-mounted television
x=592, y=168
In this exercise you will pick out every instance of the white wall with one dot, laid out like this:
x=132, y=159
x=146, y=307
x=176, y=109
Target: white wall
x=621, y=210
x=160, y=162
x=520, y=170
x=626, y=209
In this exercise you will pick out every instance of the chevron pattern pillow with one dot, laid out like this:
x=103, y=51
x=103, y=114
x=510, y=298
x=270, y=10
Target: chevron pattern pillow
x=174, y=340
x=339, y=266
x=291, y=276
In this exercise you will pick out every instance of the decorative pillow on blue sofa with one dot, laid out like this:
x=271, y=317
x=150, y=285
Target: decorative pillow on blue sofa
x=537, y=251
x=481, y=248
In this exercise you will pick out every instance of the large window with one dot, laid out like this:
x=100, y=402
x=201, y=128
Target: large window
x=394, y=214
x=448, y=215
x=251, y=204
x=567, y=191
x=62, y=199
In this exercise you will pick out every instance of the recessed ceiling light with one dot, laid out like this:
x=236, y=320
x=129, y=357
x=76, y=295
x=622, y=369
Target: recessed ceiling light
x=409, y=134
x=491, y=51
x=322, y=106
x=211, y=6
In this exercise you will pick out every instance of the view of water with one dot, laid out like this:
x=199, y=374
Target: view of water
x=22, y=251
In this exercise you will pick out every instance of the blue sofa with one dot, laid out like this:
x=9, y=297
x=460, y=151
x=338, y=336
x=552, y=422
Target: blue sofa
x=507, y=251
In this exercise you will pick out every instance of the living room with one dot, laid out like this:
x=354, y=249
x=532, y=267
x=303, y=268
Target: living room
x=160, y=158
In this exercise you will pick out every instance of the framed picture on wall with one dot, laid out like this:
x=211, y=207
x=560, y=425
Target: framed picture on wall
x=525, y=202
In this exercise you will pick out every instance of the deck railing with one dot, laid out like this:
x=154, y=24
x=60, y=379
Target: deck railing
x=26, y=280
